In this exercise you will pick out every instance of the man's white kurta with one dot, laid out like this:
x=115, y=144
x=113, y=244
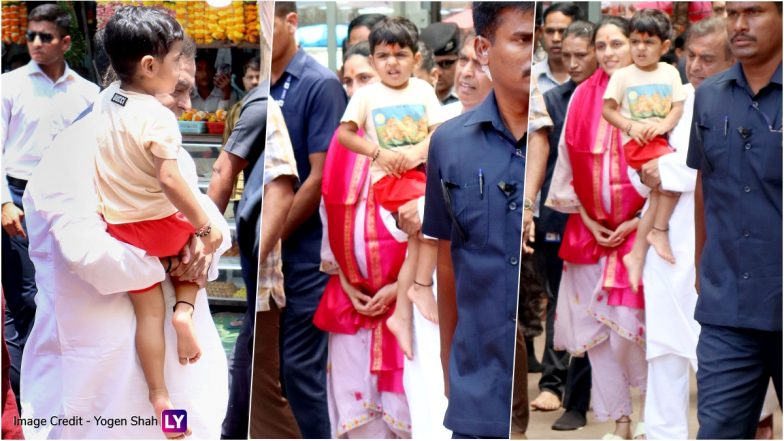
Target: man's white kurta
x=80, y=359
x=670, y=296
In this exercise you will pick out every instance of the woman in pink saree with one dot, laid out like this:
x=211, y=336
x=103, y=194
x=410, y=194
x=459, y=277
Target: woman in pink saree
x=597, y=311
x=365, y=363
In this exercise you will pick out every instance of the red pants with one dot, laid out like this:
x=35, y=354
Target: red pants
x=159, y=238
x=393, y=192
x=636, y=155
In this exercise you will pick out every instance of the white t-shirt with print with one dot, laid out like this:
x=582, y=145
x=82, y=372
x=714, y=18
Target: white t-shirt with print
x=394, y=118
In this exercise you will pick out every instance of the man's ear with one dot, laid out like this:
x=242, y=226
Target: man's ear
x=66, y=42
x=481, y=46
x=292, y=19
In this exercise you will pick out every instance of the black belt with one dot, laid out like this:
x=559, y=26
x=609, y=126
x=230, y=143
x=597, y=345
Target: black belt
x=18, y=183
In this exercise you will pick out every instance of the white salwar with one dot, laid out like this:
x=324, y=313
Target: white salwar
x=357, y=409
x=80, y=359
x=670, y=298
x=423, y=377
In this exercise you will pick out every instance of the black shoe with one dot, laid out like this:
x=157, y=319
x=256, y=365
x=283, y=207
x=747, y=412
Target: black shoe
x=570, y=420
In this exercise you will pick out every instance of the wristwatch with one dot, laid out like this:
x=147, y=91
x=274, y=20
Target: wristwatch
x=528, y=204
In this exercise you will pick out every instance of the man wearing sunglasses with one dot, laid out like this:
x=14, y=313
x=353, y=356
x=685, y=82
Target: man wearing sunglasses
x=39, y=101
x=444, y=40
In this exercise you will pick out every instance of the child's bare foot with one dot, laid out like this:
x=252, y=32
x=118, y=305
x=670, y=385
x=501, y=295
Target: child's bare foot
x=401, y=329
x=422, y=297
x=660, y=241
x=188, y=349
x=159, y=398
x=633, y=265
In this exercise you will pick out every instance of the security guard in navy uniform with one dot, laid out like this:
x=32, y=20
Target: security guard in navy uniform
x=736, y=145
x=474, y=206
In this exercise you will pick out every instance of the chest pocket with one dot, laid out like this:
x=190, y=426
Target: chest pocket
x=471, y=209
x=715, y=148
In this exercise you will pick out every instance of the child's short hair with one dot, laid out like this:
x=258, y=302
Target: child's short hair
x=652, y=22
x=394, y=30
x=134, y=32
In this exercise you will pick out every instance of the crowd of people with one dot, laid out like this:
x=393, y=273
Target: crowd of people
x=103, y=335
x=422, y=205
x=612, y=127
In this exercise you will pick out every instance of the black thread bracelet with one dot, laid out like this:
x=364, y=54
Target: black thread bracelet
x=422, y=284
x=168, y=267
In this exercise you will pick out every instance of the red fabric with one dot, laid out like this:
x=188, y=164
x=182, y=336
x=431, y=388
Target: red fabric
x=9, y=429
x=636, y=155
x=393, y=192
x=588, y=138
x=345, y=173
x=159, y=238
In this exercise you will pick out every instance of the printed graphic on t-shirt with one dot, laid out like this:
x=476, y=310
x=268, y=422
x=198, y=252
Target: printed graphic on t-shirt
x=401, y=125
x=649, y=100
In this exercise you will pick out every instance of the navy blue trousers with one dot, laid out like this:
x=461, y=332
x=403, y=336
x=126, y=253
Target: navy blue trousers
x=18, y=279
x=235, y=425
x=303, y=349
x=734, y=368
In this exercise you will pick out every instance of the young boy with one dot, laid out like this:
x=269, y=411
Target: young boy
x=650, y=96
x=398, y=115
x=143, y=197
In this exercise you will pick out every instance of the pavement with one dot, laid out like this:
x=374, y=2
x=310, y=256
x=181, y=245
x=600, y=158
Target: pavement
x=540, y=422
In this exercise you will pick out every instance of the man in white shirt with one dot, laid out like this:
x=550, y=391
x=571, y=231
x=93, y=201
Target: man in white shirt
x=80, y=365
x=39, y=101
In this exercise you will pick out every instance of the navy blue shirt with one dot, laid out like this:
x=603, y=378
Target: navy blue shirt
x=736, y=144
x=484, y=227
x=312, y=100
x=556, y=101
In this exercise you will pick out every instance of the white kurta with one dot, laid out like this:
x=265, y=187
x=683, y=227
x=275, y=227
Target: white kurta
x=80, y=359
x=670, y=296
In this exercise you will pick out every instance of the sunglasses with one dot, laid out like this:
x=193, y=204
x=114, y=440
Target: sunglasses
x=44, y=36
x=446, y=64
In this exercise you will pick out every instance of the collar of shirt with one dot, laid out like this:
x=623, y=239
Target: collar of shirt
x=735, y=73
x=487, y=112
x=541, y=71
x=297, y=64
x=34, y=69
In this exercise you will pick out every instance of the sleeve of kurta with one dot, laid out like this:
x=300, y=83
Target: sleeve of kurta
x=5, y=120
x=107, y=264
x=69, y=206
x=675, y=174
x=562, y=196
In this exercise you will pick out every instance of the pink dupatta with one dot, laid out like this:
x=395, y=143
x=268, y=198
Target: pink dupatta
x=345, y=174
x=589, y=137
